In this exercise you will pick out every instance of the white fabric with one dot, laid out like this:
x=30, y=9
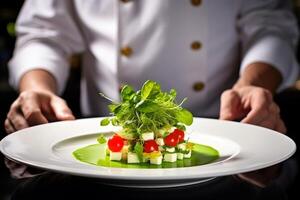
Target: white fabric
x=233, y=33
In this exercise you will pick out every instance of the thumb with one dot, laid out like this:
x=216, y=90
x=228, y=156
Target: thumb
x=61, y=109
x=230, y=104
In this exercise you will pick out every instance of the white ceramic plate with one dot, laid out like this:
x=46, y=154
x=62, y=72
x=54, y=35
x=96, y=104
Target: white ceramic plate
x=242, y=148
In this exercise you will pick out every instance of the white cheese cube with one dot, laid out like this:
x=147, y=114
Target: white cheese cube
x=182, y=146
x=179, y=156
x=170, y=157
x=188, y=155
x=156, y=161
x=132, y=158
x=115, y=155
x=170, y=149
x=148, y=136
x=160, y=141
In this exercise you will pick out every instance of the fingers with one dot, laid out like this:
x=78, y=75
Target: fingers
x=31, y=108
x=16, y=118
x=230, y=105
x=264, y=111
x=18, y=121
x=273, y=120
x=9, y=128
x=269, y=122
x=268, y=118
x=260, y=101
x=61, y=109
x=252, y=105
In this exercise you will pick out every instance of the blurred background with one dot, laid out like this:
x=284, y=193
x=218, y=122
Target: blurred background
x=288, y=100
x=8, y=13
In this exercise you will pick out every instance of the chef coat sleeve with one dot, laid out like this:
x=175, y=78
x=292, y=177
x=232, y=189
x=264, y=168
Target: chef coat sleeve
x=269, y=34
x=46, y=37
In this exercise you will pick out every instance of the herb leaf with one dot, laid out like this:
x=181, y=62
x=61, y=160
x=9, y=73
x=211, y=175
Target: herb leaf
x=138, y=149
x=146, y=89
x=184, y=116
x=150, y=89
x=101, y=139
x=105, y=122
x=127, y=92
x=147, y=106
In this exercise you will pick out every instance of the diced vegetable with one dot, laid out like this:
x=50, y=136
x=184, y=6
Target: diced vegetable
x=180, y=134
x=181, y=146
x=171, y=140
x=170, y=149
x=150, y=146
x=160, y=141
x=132, y=158
x=156, y=160
x=115, y=144
x=188, y=155
x=147, y=136
x=115, y=156
x=170, y=157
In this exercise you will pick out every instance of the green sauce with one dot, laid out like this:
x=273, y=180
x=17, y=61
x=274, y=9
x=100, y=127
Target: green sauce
x=201, y=155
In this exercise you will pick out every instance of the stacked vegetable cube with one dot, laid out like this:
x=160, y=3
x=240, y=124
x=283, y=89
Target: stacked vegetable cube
x=156, y=148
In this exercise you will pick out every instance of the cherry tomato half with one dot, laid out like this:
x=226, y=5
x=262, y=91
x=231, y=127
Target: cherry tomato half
x=115, y=144
x=150, y=146
x=171, y=140
x=180, y=134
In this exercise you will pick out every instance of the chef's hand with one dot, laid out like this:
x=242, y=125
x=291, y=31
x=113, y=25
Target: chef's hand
x=36, y=107
x=252, y=105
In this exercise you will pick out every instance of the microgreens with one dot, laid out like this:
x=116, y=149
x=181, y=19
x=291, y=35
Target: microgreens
x=147, y=110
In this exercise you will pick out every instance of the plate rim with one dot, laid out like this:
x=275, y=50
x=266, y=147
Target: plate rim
x=60, y=169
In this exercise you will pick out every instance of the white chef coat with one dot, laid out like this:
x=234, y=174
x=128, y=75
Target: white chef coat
x=181, y=44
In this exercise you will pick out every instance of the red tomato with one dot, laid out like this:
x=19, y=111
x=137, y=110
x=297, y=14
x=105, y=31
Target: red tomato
x=180, y=134
x=171, y=140
x=150, y=146
x=115, y=144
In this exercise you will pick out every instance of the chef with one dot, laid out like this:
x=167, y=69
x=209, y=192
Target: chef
x=227, y=57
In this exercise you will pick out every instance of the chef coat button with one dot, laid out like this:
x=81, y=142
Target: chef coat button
x=196, y=45
x=198, y=86
x=125, y=1
x=126, y=51
x=196, y=2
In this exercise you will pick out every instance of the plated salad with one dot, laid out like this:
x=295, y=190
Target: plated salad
x=152, y=127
